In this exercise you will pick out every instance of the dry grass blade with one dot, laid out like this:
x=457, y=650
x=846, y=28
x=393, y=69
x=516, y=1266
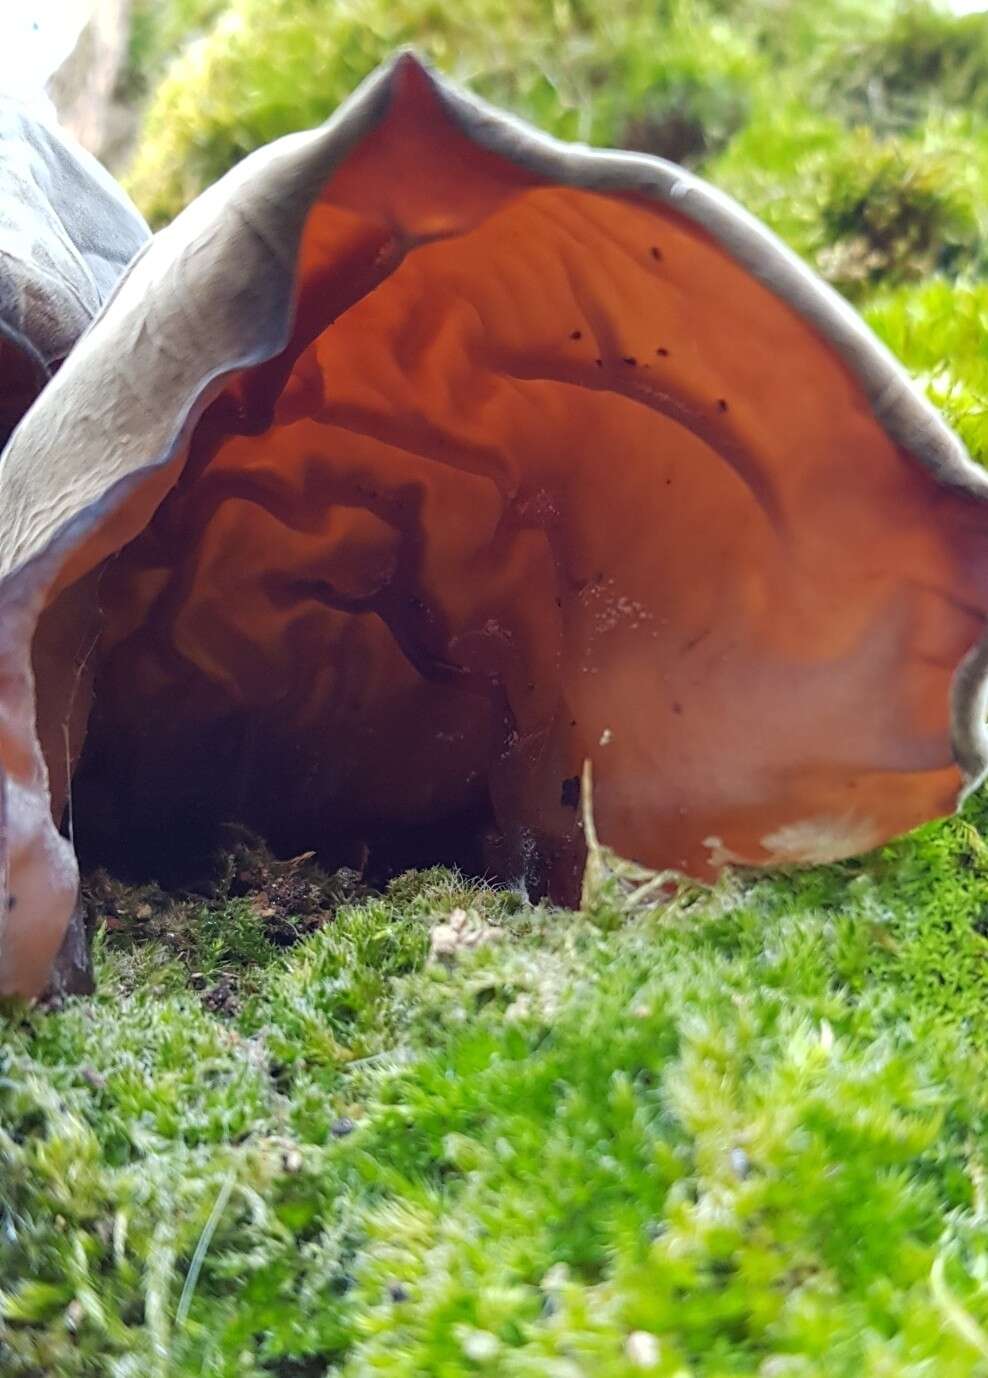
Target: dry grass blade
x=608, y=875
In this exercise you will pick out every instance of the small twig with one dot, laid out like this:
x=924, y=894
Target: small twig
x=202, y=1248
x=645, y=892
x=602, y=864
x=586, y=806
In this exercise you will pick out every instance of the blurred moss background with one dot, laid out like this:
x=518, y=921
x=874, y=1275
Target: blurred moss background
x=305, y=1131
x=761, y=95
x=856, y=129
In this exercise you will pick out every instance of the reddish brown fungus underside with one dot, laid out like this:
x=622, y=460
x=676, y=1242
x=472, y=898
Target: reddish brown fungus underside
x=544, y=474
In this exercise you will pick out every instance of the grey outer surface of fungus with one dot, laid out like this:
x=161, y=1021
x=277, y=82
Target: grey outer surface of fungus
x=67, y=232
x=217, y=294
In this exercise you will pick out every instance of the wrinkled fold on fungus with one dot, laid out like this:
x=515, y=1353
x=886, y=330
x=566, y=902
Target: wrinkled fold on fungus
x=424, y=458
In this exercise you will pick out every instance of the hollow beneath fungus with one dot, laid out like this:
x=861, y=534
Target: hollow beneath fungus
x=543, y=475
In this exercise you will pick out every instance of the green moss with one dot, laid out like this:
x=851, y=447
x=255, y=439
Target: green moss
x=798, y=31
x=671, y=81
x=894, y=212
x=677, y=78
x=159, y=30
x=863, y=211
x=747, y=1124
x=924, y=58
x=940, y=331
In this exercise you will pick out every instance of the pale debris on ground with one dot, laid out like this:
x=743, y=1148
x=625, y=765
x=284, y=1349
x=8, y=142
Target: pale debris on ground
x=462, y=931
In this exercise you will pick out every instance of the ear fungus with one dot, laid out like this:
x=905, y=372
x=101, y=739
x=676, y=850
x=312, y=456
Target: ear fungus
x=423, y=459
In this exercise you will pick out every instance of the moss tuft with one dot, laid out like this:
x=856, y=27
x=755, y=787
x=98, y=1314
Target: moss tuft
x=864, y=211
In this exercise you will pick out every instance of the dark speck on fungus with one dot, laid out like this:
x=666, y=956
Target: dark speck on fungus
x=282, y=574
x=570, y=792
x=576, y=334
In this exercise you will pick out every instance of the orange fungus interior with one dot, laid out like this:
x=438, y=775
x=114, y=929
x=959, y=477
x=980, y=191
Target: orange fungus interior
x=543, y=475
